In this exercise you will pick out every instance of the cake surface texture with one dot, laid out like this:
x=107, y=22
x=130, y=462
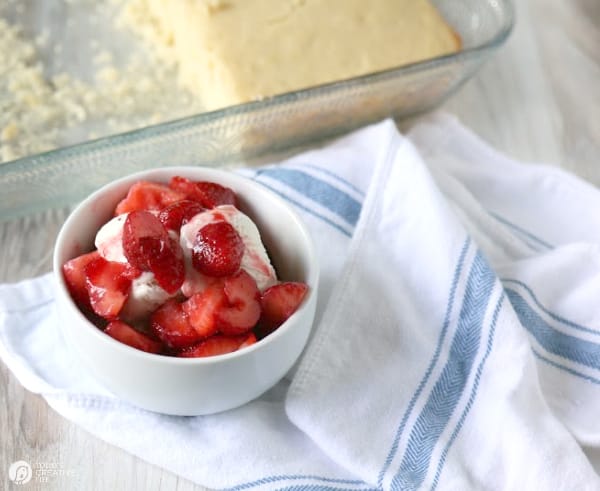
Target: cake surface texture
x=234, y=51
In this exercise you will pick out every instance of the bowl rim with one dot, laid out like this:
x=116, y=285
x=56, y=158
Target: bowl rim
x=63, y=295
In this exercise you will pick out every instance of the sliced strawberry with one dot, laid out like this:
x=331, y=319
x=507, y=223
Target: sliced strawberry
x=132, y=272
x=179, y=213
x=217, y=250
x=123, y=332
x=107, y=284
x=214, y=194
x=169, y=267
x=279, y=302
x=250, y=340
x=208, y=194
x=218, y=345
x=74, y=274
x=202, y=309
x=171, y=325
x=143, y=234
x=146, y=195
x=243, y=305
x=184, y=186
x=148, y=247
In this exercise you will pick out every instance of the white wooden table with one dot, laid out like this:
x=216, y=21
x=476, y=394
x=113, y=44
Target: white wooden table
x=537, y=100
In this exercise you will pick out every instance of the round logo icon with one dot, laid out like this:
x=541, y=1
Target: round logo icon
x=19, y=472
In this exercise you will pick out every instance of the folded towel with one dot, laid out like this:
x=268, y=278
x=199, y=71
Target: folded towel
x=456, y=344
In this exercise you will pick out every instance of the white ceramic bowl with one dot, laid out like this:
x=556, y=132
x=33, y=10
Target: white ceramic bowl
x=192, y=386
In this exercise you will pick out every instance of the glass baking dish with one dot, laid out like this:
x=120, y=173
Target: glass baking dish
x=56, y=179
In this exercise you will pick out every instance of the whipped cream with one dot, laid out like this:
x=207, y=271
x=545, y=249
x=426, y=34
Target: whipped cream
x=109, y=239
x=146, y=295
x=255, y=260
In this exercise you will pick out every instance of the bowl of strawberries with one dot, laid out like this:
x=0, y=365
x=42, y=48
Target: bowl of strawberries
x=186, y=290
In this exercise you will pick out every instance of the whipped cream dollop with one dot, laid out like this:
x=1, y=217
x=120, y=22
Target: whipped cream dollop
x=255, y=260
x=146, y=295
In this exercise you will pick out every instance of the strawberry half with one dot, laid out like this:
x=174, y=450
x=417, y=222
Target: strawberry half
x=250, y=340
x=202, y=309
x=74, y=274
x=278, y=303
x=172, y=326
x=218, y=345
x=107, y=284
x=208, y=194
x=179, y=213
x=243, y=305
x=146, y=195
x=148, y=247
x=218, y=250
x=126, y=334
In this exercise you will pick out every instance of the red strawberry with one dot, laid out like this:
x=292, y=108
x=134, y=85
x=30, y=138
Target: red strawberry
x=250, y=340
x=179, y=213
x=208, y=194
x=279, y=302
x=214, y=194
x=123, y=332
x=145, y=195
x=218, y=345
x=107, y=284
x=217, y=250
x=202, y=309
x=172, y=326
x=243, y=305
x=74, y=274
x=142, y=234
x=148, y=247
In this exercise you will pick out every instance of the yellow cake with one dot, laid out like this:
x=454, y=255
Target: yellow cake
x=233, y=51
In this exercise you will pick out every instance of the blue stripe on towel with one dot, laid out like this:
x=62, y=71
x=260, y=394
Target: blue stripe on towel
x=523, y=232
x=564, y=368
x=554, y=316
x=465, y=413
x=436, y=355
x=321, y=487
x=318, y=191
x=451, y=384
x=325, y=483
x=553, y=341
x=347, y=233
x=333, y=175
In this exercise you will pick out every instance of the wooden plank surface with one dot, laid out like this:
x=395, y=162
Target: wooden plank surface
x=537, y=100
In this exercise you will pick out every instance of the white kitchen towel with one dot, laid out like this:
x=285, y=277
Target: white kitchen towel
x=456, y=345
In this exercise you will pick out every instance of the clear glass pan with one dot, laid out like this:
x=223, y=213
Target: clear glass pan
x=62, y=177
